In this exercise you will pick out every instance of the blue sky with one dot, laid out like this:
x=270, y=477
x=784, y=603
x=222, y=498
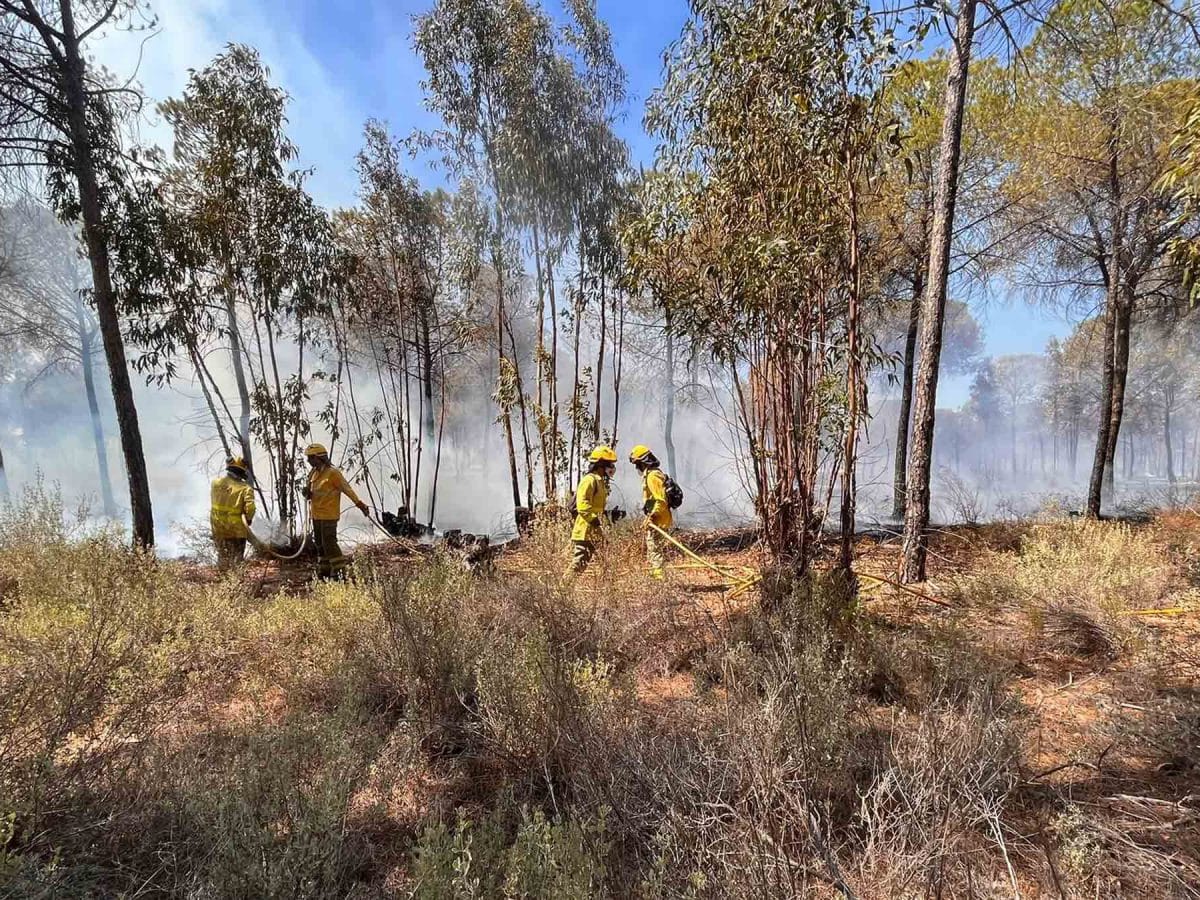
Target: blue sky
x=344, y=61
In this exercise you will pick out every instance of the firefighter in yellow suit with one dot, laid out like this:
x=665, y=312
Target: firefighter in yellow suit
x=324, y=490
x=590, y=498
x=654, y=505
x=230, y=512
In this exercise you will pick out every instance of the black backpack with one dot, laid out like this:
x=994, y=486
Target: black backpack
x=673, y=491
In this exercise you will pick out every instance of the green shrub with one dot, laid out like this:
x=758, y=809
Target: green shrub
x=263, y=813
x=548, y=859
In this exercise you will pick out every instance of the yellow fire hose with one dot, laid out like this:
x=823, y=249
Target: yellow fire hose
x=746, y=580
x=749, y=578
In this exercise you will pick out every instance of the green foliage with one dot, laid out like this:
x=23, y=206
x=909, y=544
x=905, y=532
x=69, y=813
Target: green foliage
x=431, y=638
x=548, y=859
x=270, y=820
x=1182, y=180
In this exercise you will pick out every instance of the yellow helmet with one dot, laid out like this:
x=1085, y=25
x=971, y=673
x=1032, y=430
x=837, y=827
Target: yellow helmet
x=237, y=462
x=316, y=450
x=639, y=453
x=602, y=453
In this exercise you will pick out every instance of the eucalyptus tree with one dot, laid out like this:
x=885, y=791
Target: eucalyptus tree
x=61, y=114
x=654, y=235
x=249, y=266
x=400, y=237
x=1101, y=91
x=483, y=60
x=42, y=304
x=528, y=110
x=769, y=116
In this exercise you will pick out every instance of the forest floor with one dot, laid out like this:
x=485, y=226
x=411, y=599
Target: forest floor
x=1026, y=722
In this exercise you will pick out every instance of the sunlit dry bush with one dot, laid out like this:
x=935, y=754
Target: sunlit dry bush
x=431, y=634
x=1075, y=580
x=931, y=817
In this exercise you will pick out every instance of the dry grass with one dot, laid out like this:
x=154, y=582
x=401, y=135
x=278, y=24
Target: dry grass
x=426, y=731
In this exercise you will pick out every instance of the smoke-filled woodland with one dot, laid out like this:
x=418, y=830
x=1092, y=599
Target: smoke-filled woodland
x=714, y=526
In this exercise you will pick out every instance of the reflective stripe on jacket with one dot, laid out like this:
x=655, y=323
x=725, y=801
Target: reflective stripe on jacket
x=327, y=486
x=231, y=499
x=654, y=488
x=590, y=497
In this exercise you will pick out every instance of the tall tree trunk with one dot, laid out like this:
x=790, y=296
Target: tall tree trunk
x=89, y=387
x=933, y=309
x=1103, y=430
x=505, y=412
x=542, y=400
x=4, y=494
x=853, y=395
x=1167, y=442
x=669, y=390
x=437, y=457
x=1106, y=440
x=238, y=363
x=555, y=433
x=900, y=469
x=141, y=511
x=618, y=362
x=1012, y=433
x=427, y=417
x=600, y=359
x=1120, y=376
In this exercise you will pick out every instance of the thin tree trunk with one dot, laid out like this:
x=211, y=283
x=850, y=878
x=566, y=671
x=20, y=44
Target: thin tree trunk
x=141, y=511
x=527, y=447
x=1167, y=442
x=505, y=414
x=542, y=367
x=555, y=433
x=853, y=392
x=427, y=418
x=669, y=389
x=236, y=359
x=933, y=309
x=600, y=360
x=4, y=494
x=900, y=470
x=437, y=458
x=89, y=387
x=1120, y=377
x=618, y=361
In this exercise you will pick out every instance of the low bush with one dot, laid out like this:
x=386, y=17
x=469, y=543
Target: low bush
x=536, y=857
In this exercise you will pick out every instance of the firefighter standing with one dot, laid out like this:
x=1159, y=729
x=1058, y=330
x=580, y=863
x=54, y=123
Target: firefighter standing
x=232, y=510
x=590, y=498
x=654, y=505
x=324, y=490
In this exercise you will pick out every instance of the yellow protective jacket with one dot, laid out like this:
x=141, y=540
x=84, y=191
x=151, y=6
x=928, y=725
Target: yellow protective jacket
x=326, y=487
x=654, y=488
x=232, y=498
x=590, y=497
